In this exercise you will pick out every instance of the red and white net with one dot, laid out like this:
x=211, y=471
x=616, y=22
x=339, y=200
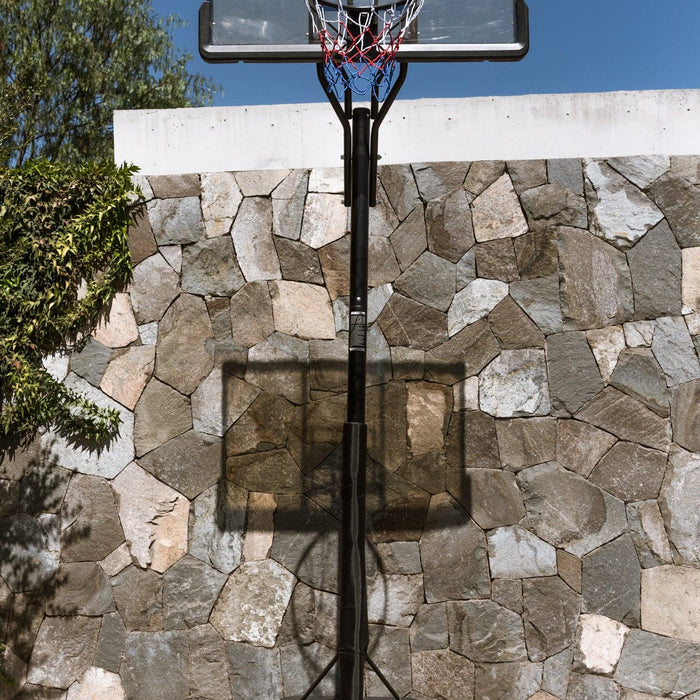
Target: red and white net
x=360, y=41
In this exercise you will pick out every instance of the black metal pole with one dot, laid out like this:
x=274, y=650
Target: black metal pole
x=354, y=635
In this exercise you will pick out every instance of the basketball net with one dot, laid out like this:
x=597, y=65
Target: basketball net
x=360, y=42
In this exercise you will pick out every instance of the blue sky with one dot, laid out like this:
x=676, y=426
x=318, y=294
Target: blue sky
x=575, y=46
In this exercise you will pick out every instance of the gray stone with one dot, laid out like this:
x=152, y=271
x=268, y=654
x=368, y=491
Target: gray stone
x=655, y=265
x=111, y=643
x=630, y=472
x=254, y=672
x=555, y=674
x=567, y=511
x=273, y=471
x=627, y=419
x=155, y=665
x=567, y=172
x=409, y=323
x=141, y=240
x=649, y=534
x=673, y=348
x=527, y=174
x=176, y=220
x=160, y=415
x=483, y=173
x=210, y=267
x=302, y=310
x=553, y=205
x=596, y=285
x=300, y=619
x=685, y=413
x=208, y=667
x=537, y=254
x=584, y=687
x=289, y=357
x=515, y=384
x=574, y=377
x=429, y=280
x=220, y=314
x=252, y=240
x=325, y=219
x=325, y=624
x=442, y=673
x=473, y=302
x=154, y=285
x=298, y=261
x=216, y=526
x=251, y=314
x=260, y=183
x=427, y=471
x=496, y=212
x=183, y=358
x=449, y=226
x=189, y=463
x=429, y=628
x=299, y=547
x=435, y=179
x=484, y=631
x=138, y=594
x=221, y=198
x=173, y=256
x=641, y=170
x=515, y=553
x=190, y=589
x=515, y=680
x=410, y=238
x=620, y=212
x=384, y=268
x=466, y=269
x=453, y=552
x=551, y=615
x=91, y=362
x=678, y=501
x=513, y=327
x=42, y=488
x=170, y=186
x=264, y=426
x=491, y=496
x=9, y=497
x=687, y=167
x=80, y=588
x=523, y=442
x=400, y=187
x=463, y=355
x=391, y=652
x=288, y=205
x=659, y=665
x=680, y=203
x=638, y=374
x=394, y=599
x=301, y=666
x=496, y=260
x=253, y=602
x=336, y=272
x=427, y=413
x=27, y=559
x=508, y=593
x=63, y=650
x=611, y=581
x=472, y=441
x=539, y=299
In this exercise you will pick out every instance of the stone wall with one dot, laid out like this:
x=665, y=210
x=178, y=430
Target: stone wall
x=534, y=443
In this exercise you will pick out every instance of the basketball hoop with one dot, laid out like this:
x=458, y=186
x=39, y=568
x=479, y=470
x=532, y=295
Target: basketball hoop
x=360, y=42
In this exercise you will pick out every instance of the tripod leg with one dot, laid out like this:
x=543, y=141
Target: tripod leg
x=381, y=677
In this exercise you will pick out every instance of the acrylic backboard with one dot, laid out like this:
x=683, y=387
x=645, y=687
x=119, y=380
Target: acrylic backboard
x=280, y=31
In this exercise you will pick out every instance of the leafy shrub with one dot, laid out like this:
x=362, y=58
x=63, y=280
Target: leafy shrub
x=63, y=254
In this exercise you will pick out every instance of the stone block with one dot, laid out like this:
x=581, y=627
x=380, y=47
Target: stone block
x=539, y=299
x=160, y=415
x=91, y=362
x=483, y=173
x=119, y=328
x=176, y=221
x=173, y=186
x=513, y=328
x=449, y=226
x=639, y=375
x=301, y=666
x=641, y=170
x=523, y=442
x=141, y=240
x=97, y=683
x=251, y=315
x=302, y=310
x=110, y=644
x=515, y=680
x=691, y=278
x=429, y=628
x=685, y=415
x=606, y=344
x=210, y=267
x=649, y=534
x=474, y=302
x=208, y=667
x=620, y=212
x=599, y=641
x=567, y=172
x=472, y=441
x=252, y=240
x=674, y=350
x=288, y=205
x=549, y=206
x=409, y=323
x=589, y=687
x=272, y=471
x=496, y=212
x=392, y=654
x=496, y=260
x=400, y=187
x=427, y=414
x=410, y=240
x=138, y=594
x=429, y=280
x=80, y=588
x=527, y=174
x=443, y=673
x=436, y=179
x=325, y=219
x=490, y=496
x=384, y=268
x=394, y=599
x=298, y=261
x=670, y=596
x=515, y=553
x=537, y=254
x=679, y=200
x=221, y=198
x=508, y=593
x=254, y=672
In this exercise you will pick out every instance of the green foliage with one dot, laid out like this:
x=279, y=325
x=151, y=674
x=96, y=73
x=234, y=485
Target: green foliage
x=63, y=254
x=73, y=62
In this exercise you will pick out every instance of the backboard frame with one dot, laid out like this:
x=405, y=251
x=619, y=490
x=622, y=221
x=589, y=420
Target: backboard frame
x=408, y=53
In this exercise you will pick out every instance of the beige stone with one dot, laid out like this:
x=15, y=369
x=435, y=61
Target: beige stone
x=154, y=518
x=126, y=375
x=119, y=328
x=655, y=537
x=116, y=560
x=691, y=278
x=496, y=212
x=325, y=219
x=444, y=674
x=97, y=683
x=427, y=413
x=671, y=601
x=260, y=526
x=302, y=310
x=599, y=643
x=260, y=183
x=542, y=695
x=330, y=180
x=252, y=240
x=606, y=344
x=221, y=198
x=466, y=394
x=639, y=334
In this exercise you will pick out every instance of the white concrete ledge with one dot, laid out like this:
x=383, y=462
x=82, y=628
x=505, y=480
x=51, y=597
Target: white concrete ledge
x=172, y=141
